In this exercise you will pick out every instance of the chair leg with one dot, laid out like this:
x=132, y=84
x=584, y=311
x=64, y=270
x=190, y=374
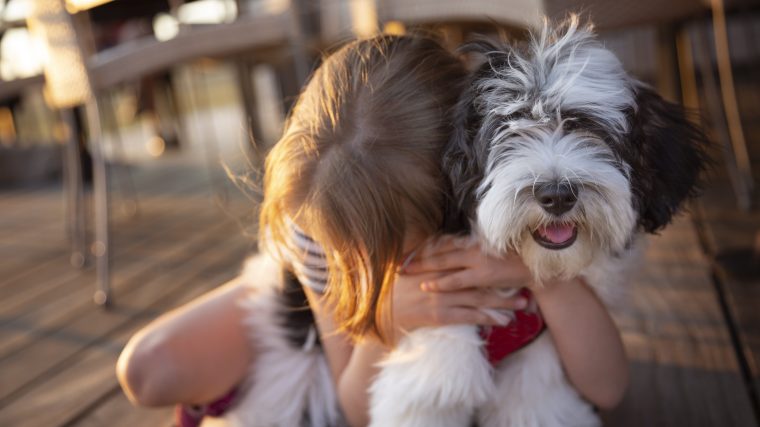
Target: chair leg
x=730, y=103
x=742, y=188
x=74, y=188
x=101, y=245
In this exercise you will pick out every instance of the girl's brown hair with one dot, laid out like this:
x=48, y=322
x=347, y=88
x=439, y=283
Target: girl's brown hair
x=358, y=166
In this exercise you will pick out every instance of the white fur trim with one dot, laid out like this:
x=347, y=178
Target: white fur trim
x=435, y=377
x=285, y=383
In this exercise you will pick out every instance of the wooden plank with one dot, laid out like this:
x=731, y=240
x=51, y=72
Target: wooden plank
x=117, y=411
x=66, y=300
x=46, y=277
x=52, y=249
x=37, y=279
x=72, y=391
x=20, y=201
x=20, y=262
x=171, y=180
x=733, y=239
x=32, y=357
x=87, y=374
x=175, y=178
x=23, y=241
x=172, y=219
x=684, y=369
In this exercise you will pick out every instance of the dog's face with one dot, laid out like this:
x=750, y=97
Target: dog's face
x=559, y=155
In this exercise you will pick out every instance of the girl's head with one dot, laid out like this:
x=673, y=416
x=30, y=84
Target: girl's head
x=358, y=166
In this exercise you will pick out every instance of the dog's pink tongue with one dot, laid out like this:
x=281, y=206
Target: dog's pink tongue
x=557, y=233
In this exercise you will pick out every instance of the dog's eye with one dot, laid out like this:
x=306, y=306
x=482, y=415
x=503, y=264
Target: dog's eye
x=571, y=125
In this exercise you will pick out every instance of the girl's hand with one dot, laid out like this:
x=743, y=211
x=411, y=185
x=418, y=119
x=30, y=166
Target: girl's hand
x=414, y=307
x=465, y=266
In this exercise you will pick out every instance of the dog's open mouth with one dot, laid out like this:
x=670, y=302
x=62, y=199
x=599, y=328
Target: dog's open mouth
x=556, y=236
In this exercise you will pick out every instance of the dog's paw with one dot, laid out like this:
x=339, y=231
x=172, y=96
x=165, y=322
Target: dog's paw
x=434, y=368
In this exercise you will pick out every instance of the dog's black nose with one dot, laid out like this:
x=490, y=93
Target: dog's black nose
x=556, y=198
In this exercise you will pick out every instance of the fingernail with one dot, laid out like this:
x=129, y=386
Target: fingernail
x=521, y=303
x=502, y=320
x=428, y=286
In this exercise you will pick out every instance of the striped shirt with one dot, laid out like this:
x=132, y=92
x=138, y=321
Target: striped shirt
x=308, y=260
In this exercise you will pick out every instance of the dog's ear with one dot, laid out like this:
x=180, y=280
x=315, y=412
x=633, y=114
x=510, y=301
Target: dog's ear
x=466, y=152
x=459, y=162
x=463, y=159
x=668, y=154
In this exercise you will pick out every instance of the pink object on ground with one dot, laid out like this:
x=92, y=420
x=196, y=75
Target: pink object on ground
x=192, y=415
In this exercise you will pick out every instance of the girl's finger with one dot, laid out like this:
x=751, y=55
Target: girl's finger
x=464, y=316
x=502, y=317
x=516, y=302
x=483, y=298
x=469, y=316
x=456, y=281
x=469, y=278
x=453, y=260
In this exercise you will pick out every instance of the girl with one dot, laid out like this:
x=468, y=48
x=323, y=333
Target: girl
x=358, y=171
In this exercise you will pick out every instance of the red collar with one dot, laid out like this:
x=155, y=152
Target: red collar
x=501, y=341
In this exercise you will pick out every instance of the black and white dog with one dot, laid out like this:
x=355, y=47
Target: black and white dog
x=558, y=155
x=562, y=157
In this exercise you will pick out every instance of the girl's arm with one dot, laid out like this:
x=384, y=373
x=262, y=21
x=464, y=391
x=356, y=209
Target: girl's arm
x=193, y=354
x=352, y=367
x=587, y=340
x=337, y=345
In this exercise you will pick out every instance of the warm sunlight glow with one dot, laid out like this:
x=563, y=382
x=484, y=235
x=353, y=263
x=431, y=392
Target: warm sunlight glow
x=395, y=28
x=155, y=146
x=207, y=12
x=165, y=27
x=65, y=77
x=364, y=17
x=21, y=55
x=74, y=6
x=15, y=10
x=7, y=127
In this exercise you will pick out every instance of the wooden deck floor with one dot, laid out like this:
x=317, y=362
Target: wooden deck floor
x=57, y=350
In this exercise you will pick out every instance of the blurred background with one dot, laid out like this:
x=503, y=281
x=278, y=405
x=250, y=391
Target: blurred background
x=130, y=136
